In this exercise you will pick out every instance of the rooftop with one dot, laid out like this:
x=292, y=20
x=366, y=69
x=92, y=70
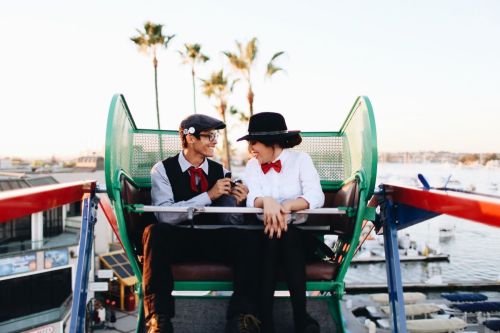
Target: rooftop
x=13, y=181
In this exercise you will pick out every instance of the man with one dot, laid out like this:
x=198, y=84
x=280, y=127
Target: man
x=190, y=179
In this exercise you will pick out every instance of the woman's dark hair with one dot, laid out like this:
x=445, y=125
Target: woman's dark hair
x=289, y=142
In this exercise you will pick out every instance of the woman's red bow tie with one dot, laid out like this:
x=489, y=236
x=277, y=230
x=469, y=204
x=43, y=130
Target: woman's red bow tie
x=275, y=165
x=203, y=179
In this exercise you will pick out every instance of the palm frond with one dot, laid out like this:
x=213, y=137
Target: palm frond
x=233, y=110
x=208, y=88
x=196, y=55
x=139, y=40
x=244, y=117
x=168, y=39
x=192, y=54
x=272, y=69
x=240, y=114
x=239, y=47
x=233, y=84
x=216, y=85
x=195, y=48
x=236, y=61
x=184, y=57
x=276, y=55
x=251, y=50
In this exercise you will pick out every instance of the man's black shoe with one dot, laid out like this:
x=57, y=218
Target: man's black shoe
x=243, y=323
x=159, y=323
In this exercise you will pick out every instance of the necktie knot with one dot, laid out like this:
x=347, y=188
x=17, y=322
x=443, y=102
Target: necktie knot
x=198, y=172
x=272, y=165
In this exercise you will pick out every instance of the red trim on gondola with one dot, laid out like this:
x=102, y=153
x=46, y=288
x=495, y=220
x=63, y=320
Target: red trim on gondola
x=110, y=216
x=477, y=207
x=22, y=202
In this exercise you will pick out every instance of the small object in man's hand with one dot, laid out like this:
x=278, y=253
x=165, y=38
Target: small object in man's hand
x=235, y=182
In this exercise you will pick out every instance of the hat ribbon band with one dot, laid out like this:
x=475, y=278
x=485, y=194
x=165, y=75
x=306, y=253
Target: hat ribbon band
x=268, y=133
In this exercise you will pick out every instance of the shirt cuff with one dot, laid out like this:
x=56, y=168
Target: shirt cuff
x=205, y=199
x=251, y=200
x=309, y=200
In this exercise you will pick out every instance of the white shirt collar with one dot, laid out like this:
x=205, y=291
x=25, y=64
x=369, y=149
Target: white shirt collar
x=282, y=156
x=185, y=164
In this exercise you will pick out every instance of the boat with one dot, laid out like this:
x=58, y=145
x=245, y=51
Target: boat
x=347, y=164
x=447, y=230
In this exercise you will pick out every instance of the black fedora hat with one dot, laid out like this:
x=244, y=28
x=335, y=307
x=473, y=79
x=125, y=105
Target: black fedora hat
x=268, y=126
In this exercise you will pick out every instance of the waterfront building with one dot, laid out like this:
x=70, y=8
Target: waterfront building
x=89, y=163
x=38, y=254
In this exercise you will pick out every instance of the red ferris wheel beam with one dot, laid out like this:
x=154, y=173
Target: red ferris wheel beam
x=22, y=202
x=471, y=206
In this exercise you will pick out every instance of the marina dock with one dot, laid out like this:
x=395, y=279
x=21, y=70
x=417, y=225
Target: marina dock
x=419, y=258
x=426, y=287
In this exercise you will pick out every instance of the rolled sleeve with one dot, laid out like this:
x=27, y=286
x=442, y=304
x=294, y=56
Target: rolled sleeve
x=310, y=182
x=250, y=178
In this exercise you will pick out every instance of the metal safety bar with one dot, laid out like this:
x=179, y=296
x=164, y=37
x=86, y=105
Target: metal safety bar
x=233, y=210
x=191, y=211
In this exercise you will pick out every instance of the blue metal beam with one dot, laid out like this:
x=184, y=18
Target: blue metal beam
x=78, y=307
x=394, y=217
x=394, y=281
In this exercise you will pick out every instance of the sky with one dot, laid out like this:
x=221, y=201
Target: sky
x=431, y=69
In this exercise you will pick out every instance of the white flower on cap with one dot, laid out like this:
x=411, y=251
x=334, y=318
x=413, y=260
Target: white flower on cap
x=189, y=130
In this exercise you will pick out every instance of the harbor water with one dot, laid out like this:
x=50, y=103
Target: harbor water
x=474, y=248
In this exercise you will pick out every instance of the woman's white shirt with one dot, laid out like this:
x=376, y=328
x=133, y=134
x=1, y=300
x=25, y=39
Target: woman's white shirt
x=298, y=178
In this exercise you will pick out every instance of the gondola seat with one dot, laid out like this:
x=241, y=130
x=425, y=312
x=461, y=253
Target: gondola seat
x=210, y=271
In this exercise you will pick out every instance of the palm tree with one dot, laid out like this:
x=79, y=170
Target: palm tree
x=149, y=40
x=218, y=87
x=191, y=56
x=243, y=62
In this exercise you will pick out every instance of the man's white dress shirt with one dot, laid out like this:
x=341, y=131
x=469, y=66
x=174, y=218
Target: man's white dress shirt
x=162, y=194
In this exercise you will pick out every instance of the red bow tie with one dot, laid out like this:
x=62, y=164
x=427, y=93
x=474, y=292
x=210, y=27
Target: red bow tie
x=201, y=175
x=275, y=165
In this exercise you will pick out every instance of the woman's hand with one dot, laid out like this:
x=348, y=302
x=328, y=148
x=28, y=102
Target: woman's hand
x=273, y=218
x=286, y=210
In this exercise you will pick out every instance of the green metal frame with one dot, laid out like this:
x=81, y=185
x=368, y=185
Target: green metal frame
x=359, y=155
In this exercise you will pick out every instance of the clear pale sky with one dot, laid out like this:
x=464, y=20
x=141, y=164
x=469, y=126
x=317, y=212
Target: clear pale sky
x=430, y=68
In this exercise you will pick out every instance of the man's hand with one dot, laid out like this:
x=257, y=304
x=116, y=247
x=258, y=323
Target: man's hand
x=273, y=219
x=221, y=187
x=240, y=192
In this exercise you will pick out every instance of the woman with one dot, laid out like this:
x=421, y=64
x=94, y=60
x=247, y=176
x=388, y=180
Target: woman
x=281, y=181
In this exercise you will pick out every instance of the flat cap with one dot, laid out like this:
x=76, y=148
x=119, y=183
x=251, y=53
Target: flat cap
x=197, y=123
